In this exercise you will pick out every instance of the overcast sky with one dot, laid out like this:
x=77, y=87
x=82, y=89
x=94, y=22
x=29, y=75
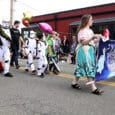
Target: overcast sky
x=39, y=7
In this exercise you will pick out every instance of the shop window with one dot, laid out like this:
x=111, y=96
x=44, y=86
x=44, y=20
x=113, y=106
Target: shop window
x=97, y=28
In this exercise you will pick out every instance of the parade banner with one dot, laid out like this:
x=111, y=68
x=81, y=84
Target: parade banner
x=106, y=60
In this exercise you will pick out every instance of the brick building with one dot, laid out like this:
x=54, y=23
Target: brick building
x=66, y=22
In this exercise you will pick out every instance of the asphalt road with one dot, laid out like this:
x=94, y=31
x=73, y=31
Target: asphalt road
x=25, y=94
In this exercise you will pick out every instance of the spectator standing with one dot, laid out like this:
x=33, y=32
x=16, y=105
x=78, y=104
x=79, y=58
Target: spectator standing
x=57, y=43
x=72, y=49
x=65, y=45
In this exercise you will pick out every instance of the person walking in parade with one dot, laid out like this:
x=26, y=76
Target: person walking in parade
x=16, y=37
x=5, y=41
x=86, y=55
x=41, y=55
x=30, y=49
x=52, y=53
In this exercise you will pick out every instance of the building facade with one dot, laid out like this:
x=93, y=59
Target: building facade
x=66, y=22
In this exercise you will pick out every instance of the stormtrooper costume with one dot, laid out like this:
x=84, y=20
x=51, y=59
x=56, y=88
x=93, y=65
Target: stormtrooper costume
x=41, y=55
x=30, y=50
x=4, y=50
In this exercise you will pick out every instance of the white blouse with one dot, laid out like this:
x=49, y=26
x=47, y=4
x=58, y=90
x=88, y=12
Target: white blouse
x=85, y=34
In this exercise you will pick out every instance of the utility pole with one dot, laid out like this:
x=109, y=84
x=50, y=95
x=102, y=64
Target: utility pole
x=11, y=11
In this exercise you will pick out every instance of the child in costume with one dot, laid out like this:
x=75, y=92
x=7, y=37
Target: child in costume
x=52, y=54
x=30, y=50
x=41, y=55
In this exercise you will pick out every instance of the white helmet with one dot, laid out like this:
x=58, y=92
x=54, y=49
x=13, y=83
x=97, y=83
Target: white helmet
x=5, y=24
x=32, y=34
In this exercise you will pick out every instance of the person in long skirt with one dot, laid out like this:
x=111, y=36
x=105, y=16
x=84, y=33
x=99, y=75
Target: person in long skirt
x=86, y=54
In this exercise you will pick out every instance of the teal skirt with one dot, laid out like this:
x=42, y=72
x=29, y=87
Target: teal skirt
x=85, y=61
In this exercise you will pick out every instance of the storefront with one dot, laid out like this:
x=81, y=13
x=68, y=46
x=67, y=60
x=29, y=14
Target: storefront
x=98, y=26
